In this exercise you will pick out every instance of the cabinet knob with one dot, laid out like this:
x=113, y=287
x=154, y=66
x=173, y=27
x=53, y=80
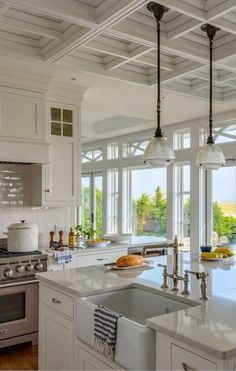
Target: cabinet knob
x=47, y=190
x=186, y=367
x=56, y=301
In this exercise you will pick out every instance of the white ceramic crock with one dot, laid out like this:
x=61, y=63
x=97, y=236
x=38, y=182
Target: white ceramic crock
x=22, y=237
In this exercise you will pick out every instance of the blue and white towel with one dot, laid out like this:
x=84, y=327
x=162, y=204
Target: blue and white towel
x=62, y=257
x=105, y=328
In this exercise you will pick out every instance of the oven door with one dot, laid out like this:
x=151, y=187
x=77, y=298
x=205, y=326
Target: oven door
x=18, y=310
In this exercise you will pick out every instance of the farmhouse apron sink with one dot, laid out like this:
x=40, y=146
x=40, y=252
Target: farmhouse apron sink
x=135, y=343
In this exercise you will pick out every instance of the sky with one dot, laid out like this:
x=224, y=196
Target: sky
x=147, y=180
x=224, y=182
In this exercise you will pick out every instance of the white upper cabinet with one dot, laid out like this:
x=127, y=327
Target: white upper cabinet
x=22, y=114
x=62, y=175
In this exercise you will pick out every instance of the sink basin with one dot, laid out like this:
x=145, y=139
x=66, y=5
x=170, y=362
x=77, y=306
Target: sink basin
x=135, y=343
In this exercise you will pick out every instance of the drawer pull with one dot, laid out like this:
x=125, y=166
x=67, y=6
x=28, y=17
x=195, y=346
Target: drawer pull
x=101, y=259
x=56, y=301
x=186, y=367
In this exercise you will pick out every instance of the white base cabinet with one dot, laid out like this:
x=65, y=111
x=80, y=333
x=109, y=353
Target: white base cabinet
x=87, y=359
x=85, y=260
x=59, y=349
x=172, y=354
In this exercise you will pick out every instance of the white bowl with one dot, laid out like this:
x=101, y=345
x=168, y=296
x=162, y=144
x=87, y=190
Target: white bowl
x=116, y=238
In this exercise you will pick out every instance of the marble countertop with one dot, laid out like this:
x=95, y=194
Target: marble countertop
x=209, y=326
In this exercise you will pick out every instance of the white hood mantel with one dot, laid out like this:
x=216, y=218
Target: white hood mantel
x=24, y=152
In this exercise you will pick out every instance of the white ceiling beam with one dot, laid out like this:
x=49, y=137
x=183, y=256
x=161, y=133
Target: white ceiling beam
x=105, y=48
x=118, y=11
x=185, y=8
x=185, y=69
x=99, y=69
x=113, y=10
x=186, y=26
x=166, y=62
x=4, y=8
x=115, y=63
x=128, y=29
x=139, y=51
x=187, y=90
x=68, y=10
x=14, y=24
x=225, y=25
x=221, y=9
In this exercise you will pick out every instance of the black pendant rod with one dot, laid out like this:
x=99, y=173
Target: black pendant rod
x=211, y=31
x=158, y=11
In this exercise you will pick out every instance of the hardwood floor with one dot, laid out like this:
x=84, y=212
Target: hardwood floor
x=19, y=357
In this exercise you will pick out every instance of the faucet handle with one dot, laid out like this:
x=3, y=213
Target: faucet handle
x=165, y=276
x=186, y=291
x=203, y=277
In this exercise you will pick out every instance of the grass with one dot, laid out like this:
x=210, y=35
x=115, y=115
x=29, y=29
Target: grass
x=228, y=208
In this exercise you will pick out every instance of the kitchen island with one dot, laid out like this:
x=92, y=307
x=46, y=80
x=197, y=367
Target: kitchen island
x=202, y=336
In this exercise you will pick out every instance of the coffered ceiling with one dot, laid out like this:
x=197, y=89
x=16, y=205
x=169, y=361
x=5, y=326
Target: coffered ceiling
x=117, y=39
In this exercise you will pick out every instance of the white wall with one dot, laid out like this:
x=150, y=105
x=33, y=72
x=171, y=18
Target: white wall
x=45, y=218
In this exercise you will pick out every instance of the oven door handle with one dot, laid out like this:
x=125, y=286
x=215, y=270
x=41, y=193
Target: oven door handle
x=56, y=301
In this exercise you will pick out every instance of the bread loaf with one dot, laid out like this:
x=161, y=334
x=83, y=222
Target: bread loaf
x=129, y=261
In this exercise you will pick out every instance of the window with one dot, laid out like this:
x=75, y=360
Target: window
x=144, y=203
x=61, y=122
x=134, y=148
x=92, y=201
x=112, y=201
x=112, y=151
x=182, y=139
x=224, y=205
x=92, y=155
x=182, y=184
x=225, y=134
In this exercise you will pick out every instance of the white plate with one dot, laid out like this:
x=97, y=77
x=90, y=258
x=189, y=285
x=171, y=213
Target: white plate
x=217, y=259
x=116, y=238
x=144, y=265
x=98, y=244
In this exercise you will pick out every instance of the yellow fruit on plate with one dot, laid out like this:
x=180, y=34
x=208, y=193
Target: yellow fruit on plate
x=225, y=251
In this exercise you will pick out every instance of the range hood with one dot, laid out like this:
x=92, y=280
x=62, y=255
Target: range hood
x=24, y=152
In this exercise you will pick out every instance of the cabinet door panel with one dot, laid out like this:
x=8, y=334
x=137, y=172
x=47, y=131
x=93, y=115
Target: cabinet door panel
x=87, y=361
x=182, y=359
x=21, y=116
x=59, y=342
x=61, y=172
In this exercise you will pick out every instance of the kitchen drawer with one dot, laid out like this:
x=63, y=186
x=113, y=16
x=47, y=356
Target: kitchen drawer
x=182, y=359
x=97, y=259
x=58, y=301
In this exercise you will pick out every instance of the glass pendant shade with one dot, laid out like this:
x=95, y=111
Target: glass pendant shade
x=210, y=157
x=159, y=152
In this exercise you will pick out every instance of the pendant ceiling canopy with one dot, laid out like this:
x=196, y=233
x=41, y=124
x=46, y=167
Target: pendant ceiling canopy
x=159, y=152
x=211, y=156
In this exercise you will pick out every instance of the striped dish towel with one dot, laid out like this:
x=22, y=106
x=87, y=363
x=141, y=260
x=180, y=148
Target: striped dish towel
x=62, y=257
x=105, y=326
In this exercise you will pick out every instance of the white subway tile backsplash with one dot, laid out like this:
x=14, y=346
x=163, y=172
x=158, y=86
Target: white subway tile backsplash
x=45, y=218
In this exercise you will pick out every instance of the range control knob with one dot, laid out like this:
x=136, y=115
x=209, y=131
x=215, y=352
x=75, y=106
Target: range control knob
x=8, y=273
x=20, y=268
x=38, y=266
x=29, y=267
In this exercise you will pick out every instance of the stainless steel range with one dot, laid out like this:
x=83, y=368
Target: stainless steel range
x=19, y=296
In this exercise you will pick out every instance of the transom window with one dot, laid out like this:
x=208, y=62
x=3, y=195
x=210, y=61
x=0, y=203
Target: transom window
x=225, y=134
x=92, y=155
x=134, y=148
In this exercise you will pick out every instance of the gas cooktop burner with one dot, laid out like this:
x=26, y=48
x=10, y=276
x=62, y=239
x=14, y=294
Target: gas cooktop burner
x=4, y=253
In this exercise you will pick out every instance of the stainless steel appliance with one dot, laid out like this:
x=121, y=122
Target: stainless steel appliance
x=19, y=296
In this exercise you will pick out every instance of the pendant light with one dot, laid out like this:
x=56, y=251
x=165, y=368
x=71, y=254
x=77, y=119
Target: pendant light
x=211, y=156
x=158, y=152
